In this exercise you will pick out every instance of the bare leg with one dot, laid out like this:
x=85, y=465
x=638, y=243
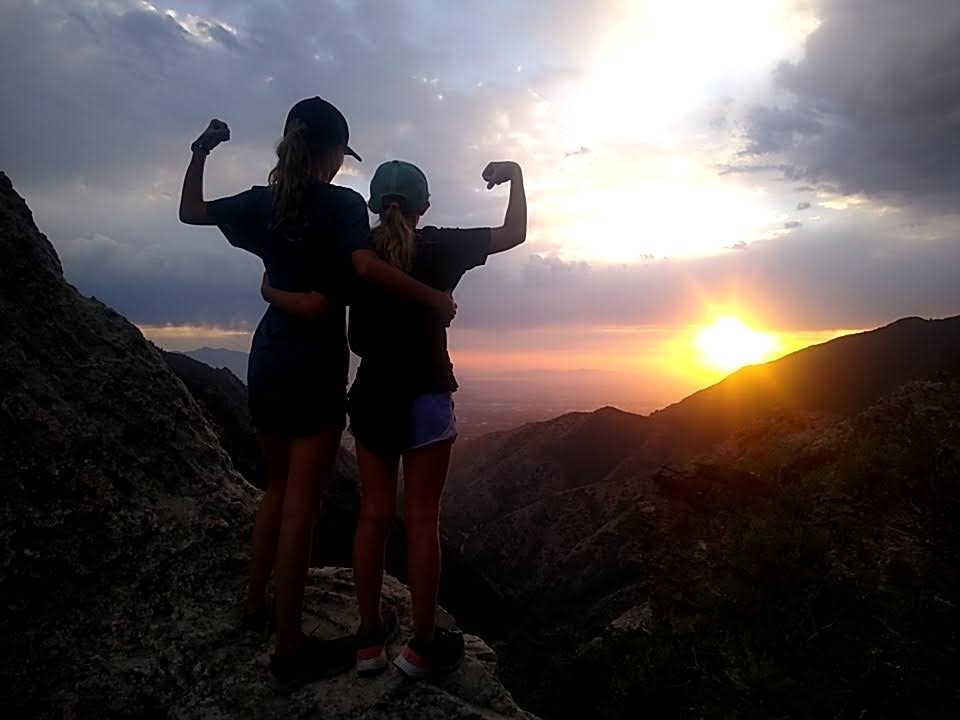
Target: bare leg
x=311, y=465
x=424, y=475
x=266, y=527
x=378, y=503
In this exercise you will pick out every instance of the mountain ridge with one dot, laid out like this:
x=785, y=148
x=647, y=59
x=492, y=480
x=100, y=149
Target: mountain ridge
x=762, y=486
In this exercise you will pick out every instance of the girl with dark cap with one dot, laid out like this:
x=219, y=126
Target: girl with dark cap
x=312, y=236
x=401, y=403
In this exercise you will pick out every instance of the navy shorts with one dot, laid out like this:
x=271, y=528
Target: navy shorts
x=391, y=427
x=293, y=404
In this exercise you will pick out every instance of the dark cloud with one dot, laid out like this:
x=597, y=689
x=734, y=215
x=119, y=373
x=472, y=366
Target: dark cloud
x=876, y=101
x=155, y=285
x=840, y=278
x=801, y=206
x=792, y=224
x=843, y=277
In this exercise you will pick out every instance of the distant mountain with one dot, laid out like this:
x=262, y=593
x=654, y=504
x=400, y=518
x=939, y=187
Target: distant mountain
x=234, y=360
x=608, y=533
x=841, y=376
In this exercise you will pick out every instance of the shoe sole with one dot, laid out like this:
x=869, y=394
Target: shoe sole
x=409, y=669
x=374, y=665
x=415, y=672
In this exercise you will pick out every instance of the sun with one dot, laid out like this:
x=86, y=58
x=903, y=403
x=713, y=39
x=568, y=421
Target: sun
x=728, y=345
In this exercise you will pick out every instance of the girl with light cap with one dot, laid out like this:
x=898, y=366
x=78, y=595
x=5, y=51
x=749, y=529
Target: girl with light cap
x=401, y=403
x=312, y=236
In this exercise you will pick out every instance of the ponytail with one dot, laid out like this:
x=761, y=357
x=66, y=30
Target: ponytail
x=298, y=167
x=394, y=237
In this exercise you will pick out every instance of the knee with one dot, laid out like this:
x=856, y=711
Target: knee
x=422, y=519
x=298, y=515
x=377, y=517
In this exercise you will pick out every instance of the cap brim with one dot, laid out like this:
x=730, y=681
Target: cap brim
x=352, y=153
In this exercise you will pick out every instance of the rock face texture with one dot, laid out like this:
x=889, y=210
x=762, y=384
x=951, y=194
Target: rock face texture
x=123, y=532
x=222, y=397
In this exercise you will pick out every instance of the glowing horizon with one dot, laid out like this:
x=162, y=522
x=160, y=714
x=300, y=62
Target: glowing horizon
x=662, y=364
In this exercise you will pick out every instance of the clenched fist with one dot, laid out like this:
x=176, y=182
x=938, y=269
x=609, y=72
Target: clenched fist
x=497, y=173
x=216, y=133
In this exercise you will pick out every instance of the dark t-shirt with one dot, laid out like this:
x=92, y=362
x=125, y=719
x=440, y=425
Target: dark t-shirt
x=310, y=254
x=403, y=345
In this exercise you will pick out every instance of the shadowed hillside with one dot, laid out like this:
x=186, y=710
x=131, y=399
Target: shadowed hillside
x=222, y=398
x=778, y=545
x=233, y=360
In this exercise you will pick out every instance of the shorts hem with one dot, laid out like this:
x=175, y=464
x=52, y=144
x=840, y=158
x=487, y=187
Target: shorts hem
x=434, y=441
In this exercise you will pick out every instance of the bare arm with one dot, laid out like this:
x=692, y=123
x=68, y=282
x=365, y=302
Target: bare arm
x=193, y=209
x=374, y=270
x=371, y=268
x=306, y=305
x=514, y=229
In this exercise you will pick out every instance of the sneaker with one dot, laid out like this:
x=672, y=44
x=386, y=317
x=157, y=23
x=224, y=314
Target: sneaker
x=443, y=655
x=314, y=659
x=260, y=621
x=371, y=648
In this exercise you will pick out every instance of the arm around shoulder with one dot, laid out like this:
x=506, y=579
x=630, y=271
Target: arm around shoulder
x=372, y=269
x=306, y=305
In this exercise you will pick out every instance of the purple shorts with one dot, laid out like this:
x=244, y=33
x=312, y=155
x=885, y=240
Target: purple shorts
x=389, y=429
x=432, y=419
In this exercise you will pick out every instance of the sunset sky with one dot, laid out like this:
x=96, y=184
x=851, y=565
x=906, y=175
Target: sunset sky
x=790, y=165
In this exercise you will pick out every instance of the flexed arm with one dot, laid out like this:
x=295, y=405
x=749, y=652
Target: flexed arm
x=193, y=209
x=514, y=229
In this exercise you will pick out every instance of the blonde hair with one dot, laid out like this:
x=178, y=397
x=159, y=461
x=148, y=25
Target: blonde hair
x=298, y=166
x=394, y=237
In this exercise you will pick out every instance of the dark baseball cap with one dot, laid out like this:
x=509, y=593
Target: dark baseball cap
x=398, y=178
x=323, y=124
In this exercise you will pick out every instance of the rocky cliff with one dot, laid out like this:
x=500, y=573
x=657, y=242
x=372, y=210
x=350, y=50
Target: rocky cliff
x=123, y=528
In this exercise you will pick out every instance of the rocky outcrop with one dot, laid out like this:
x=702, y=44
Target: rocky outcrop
x=222, y=398
x=123, y=528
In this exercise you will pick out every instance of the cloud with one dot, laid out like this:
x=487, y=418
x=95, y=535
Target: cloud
x=102, y=98
x=792, y=224
x=801, y=206
x=875, y=105
x=860, y=276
